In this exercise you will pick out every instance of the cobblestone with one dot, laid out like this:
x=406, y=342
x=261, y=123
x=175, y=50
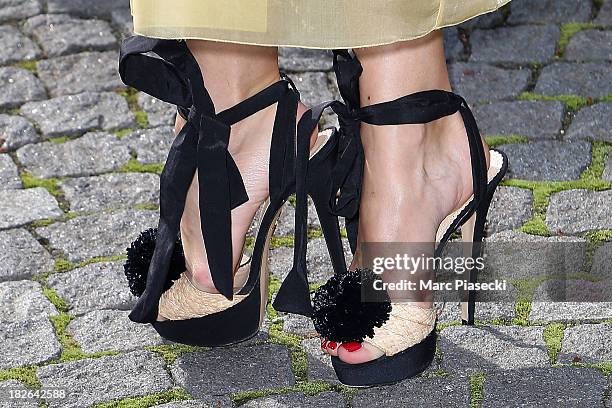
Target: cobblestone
x=488, y=20
x=76, y=114
x=486, y=83
x=98, y=235
x=96, y=286
x=23, y=300
x=588, y=79
x=319, y=363
x=592, y=122
x=528, y=44
x=111, y=330
x=313, y=87
x=511, y=207
x=578, y=211
x=299, y=325
x=16, y=403
x=590, y=45
x=151, y=145
x=111, y=191
x=122, y=20
x=322, y=400
x=492, y=348
x=602, y=265
x=27, y=342
x=518, y=117
x=547, y=160
x=207, y=402
x=604, y=17
x=544, y=11
x=21, y=256
x=560, y=387
x=264, y=366
x=18, y=86
x=61, y=34
x=88, y=71
x=85, y=7
x=77, y=157
x=16, y=132
x=19, y=207
x=18, y=9
x=302, y=59
x=16, y=46
x=158, y=112
x=587, y=343
x=9, y=175
x=607, y=174
x=93, y=381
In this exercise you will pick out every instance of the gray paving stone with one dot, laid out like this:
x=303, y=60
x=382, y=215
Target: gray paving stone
x=313, y=87
x=607, y=174
x=604, y=17
x=260, y=367
x=88, y=71
x=16, y=46
x=18, y=9
x=323, y=400
x=590, y=45
x=158, y=112
x=528, y=44
x=9, y=175
x=590, y=301
x=96, y=286
x=302, y=59
x=115, y=190
x=23, y=300
x=16, y=132
x=98, y=235
x=27, y=342
x=514, y=254
x=534, y=119
x=492, y=348
x=553, y=387
x=76, y=157
x=453, y=47
x=19, y=207
x=317, y=261
x=207, y=402
x=76, y=114
x=61, y=34
x=546, y=11
x=488, y=20
x=578, y=211
x=511, y=207
x=5, y=389
x=151, y=145
x=286, y=221
x=547, y=160
x=299, y=325
x=21, y=256
x=85, y=7
x=588, y=79
x=484, y=312
x=592, y=122
x=485, y=83
x=121, y=18
x=18, y=86
x=319, y=362
x=93, y=381
x=602, y=261
x=418, y=393
x=111, y=330
x=587, y=343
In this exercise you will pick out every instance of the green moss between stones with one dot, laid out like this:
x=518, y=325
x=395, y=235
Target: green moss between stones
x=62, y=265
x=573, y=102
x=286, y=241
x=60, y=304
x=568, y=30
x=131, y=96
x=308, y=388
x=28, y=65
x=173, y=395
x=99, y=259
x=170, y=352
x=605, y=367
x=553, y=337
x=134, y=166
x=497, y=140
x=59, y=140
x=536, y=225
x=27, y=375
x=599, y=236
x=476, y=389
x=148, y=207
x=142, y=119
x=50, y=184
x=42, y=223
x=122, y=132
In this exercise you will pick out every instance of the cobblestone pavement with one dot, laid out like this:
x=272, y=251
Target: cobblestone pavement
x=79, y=179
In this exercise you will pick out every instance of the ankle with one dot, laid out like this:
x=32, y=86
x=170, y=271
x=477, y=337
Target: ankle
x=201, y=278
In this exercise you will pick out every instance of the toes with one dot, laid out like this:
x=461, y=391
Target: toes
x=330, y=347
x=356, y=353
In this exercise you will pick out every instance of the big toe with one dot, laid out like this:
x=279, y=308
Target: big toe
x=330, y=347
x=357, y=353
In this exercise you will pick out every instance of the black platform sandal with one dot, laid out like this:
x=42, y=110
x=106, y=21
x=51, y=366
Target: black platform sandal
x=403, y=331
x=168, y=71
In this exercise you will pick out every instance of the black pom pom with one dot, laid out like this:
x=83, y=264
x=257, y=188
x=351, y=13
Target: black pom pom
x=340, y=315
x=139, y=255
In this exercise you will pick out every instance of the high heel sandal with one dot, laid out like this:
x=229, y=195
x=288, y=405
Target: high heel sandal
x=155, y=267
x=403, y=331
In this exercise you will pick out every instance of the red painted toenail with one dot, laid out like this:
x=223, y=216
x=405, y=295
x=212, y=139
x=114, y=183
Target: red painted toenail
x=332, y=345
x=352, y=346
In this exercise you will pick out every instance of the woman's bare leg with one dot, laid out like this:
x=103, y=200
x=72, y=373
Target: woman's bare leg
x=414, y=175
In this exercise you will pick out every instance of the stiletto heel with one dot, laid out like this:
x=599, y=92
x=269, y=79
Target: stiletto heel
x=404, y=332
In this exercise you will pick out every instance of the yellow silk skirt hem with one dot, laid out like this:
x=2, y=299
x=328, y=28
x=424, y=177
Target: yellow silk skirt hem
x=267, y=22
